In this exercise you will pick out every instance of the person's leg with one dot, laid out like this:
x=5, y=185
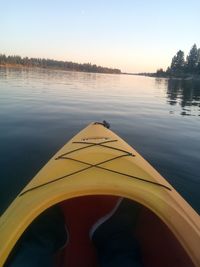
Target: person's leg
x=114, y=240
x=40, y=241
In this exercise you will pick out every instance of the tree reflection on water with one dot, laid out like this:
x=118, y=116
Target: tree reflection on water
x=184, y=93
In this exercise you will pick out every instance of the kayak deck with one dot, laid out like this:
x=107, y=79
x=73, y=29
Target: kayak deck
x=96, y=162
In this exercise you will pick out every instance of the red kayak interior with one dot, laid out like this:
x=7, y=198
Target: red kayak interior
x=159, y=247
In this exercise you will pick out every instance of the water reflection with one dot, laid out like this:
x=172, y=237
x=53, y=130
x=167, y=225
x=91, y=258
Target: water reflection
x=41, y=109
x=185, y=93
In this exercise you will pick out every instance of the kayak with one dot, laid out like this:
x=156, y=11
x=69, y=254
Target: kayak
x=91, y=172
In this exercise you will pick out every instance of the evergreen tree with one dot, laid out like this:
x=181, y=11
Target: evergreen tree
x=192, y=59
x=198, y=62
x=178, y=62
x=2, y=59
x=160, y=73
x=198, y=56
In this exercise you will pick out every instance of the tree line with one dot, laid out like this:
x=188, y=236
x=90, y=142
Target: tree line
x=57, y=64
x=182, y=66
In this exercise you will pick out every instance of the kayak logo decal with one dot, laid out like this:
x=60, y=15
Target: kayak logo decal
x=95, y=138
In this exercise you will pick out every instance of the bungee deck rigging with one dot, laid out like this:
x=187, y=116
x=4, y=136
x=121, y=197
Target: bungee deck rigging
x=97, y=165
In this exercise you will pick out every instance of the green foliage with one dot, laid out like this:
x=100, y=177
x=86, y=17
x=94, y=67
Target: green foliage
x=160, y=73
x=198, y=55
x=181, y=68
x=192, y=59
x=178, y=62
x=50, y=63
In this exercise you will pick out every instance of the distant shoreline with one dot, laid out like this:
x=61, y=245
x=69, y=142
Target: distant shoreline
x=46, y=63
x=182, y=77
x=151, y=75
x=20, y=66
x=165, y=76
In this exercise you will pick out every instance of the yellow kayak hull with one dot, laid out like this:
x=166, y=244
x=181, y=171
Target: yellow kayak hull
x=98, y=162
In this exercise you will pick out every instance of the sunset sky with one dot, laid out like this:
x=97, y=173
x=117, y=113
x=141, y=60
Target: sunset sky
x=133, y=35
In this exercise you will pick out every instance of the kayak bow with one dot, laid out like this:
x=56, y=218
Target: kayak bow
x=97, y=162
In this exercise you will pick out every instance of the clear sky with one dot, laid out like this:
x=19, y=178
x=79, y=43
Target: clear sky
x=133, y=35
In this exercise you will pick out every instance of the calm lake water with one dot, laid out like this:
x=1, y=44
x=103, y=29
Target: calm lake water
x=41, y=109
